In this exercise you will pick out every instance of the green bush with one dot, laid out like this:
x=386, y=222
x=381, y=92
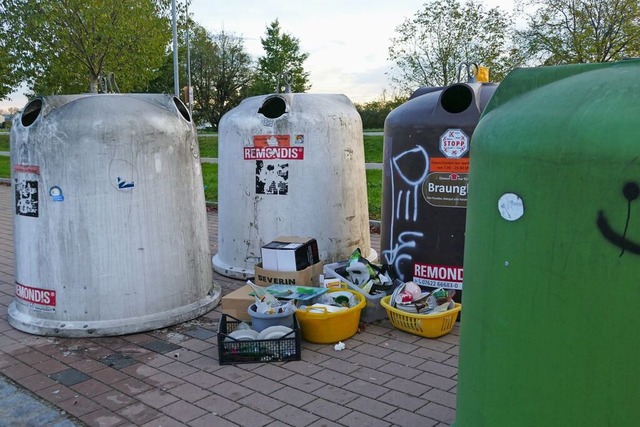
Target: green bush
x=374, y=113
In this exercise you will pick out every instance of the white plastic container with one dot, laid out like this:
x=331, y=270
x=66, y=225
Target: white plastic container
x=261, y=321
x=373, y=310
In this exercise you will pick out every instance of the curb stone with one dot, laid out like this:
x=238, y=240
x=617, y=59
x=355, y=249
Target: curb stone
x=24, y=408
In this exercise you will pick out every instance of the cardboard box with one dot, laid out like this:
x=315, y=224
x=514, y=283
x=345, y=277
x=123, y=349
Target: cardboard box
x=237, y=303
x=309, y=276
x=288, y=253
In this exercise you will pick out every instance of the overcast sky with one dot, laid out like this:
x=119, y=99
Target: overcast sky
x=347, y=40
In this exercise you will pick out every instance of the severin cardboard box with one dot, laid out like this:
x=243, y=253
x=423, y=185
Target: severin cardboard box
x=309, y=276
x=237, y=302
x=288, y=253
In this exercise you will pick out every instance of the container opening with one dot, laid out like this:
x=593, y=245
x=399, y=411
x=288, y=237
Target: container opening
x=273, y=107
x=457, y=98
x=31, y=112
x=182, y=108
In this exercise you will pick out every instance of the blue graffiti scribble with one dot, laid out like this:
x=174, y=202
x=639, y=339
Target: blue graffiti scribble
x=122, y=184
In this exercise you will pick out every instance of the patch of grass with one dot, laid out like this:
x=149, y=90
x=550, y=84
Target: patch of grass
x=373, y=145
x=210, y=179
x=208, y=146
x=4, y=142
x=374, y=193
x=5, y=167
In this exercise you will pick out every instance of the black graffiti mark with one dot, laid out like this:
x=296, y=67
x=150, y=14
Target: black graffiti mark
x=614, y=237
x=631, y=191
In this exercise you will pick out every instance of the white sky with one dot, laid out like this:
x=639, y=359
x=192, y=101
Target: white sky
x=347, y=40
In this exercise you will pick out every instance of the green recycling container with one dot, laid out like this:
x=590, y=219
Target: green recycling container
x=552, y=252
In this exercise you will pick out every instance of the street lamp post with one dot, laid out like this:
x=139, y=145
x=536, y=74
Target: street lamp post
x=176, y=79
x=189, y=88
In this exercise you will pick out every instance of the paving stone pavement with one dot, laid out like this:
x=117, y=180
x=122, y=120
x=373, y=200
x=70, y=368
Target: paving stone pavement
x=171, y=376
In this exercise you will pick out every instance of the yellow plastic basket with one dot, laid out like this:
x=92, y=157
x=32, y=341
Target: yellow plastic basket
x=425, y=325
x=323, y=327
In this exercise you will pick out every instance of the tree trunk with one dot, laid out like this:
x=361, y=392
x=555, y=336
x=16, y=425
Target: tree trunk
x=93, y=84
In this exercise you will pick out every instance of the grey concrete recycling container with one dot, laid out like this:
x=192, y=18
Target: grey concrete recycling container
x=110, y=228
x=291, y=164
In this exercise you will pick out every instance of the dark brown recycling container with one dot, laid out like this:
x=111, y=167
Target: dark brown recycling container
x=427, y=141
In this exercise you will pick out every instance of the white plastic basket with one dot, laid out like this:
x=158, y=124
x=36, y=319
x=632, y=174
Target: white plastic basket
x=373, y=310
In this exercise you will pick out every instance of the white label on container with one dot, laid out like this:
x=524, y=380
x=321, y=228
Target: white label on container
x=510, y=206
x=454, y=143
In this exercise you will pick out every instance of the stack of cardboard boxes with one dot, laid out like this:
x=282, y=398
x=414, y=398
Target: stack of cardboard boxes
x=285, y=261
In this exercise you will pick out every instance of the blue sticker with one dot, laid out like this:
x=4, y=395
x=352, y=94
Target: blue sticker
x=56, y=194
x=122, y=184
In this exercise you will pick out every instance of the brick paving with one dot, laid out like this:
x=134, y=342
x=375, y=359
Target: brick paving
x=171, y=376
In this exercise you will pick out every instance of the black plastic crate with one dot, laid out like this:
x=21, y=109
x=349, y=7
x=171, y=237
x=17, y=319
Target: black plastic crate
x=232, y=351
